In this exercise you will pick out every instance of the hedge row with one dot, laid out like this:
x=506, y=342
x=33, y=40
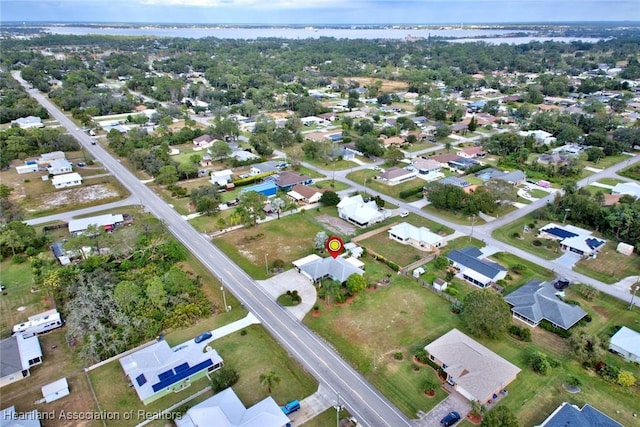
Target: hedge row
x=251, y=180
x=411, y=192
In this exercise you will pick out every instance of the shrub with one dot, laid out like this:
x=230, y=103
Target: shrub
x=18, y=259
x=573, y=382
x=536, y=242
x=223, y=378
x=422, y=356
x=456, y=307
x=519, y=268
x=243, y=332
x=609, y=373
x=626, y=379
x=278, y=263
x=441, y=262
x=520, y=332
x=547, y=326
x=408, y=193
x=539, y=363
x=398, y=355
x=451, y=291
x=429, y=386
x=516, y=235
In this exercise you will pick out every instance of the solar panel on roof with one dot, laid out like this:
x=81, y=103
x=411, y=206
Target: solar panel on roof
x=181, y=368
x=181, y=375
x=141, y=380
x=563, y=234
x=165, y=375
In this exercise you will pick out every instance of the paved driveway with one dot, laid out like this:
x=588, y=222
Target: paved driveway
x=289, y=281
x=453, y=402
x=568, y=259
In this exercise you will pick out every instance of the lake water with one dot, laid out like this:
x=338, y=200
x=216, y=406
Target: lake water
x=493, y=36
x=287, y=33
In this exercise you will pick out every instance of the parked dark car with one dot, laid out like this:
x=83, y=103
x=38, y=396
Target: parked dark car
x=202, y=337
x=450, y=419
x=291, y=407
x=561, y=284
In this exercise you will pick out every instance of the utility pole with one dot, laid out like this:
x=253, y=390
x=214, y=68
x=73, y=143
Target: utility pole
x=338, y=411
x=473, y=222
x=634, y=287
x=266, y=263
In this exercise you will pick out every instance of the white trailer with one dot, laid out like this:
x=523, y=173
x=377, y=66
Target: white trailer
x=39, y=324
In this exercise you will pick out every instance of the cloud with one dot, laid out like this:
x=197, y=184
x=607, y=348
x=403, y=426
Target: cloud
x=257, y=4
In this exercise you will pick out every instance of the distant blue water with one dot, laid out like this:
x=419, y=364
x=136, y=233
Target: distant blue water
x=287, y=33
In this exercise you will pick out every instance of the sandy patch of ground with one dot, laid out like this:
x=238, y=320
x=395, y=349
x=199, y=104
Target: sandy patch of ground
x=387, y=85
x=337, y=224
x=75, y=196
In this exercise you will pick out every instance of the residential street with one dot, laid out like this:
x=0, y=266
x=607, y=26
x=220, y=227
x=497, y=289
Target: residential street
x=365, y=403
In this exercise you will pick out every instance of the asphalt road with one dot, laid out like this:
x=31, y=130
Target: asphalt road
x=365, y=403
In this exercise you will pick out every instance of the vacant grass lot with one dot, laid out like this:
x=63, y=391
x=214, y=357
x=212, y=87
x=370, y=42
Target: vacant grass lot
x=390, y=190
x=331, y=184
x=607, y=161
x=411, y=317
x=531, y=271
x=288, y=239
x=610, y=266
x=456, y=217
x=390, y=249
x=420, y=221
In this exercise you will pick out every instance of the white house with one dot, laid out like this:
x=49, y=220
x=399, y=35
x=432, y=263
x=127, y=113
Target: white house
x=225, y=409
x=304, y=194
x=17, y=355
x=474, y=269
x=573, y=239
x=629, y=188
x=420, y=237
x=159, y=370
x=428, y=169
x=626, y=343
x=47, y=158
x=67, y=180
x=60, y=166
x=28, y=122
x=541, y=136
x=395, y=175
x=201, y=142
x=108, y=221
x=357, y=211
x=223, y=178
x=27, y=168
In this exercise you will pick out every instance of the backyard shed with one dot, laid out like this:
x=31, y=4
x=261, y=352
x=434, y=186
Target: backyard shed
x=55, y=390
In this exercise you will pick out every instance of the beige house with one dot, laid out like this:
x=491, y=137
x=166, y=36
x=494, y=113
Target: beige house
x=419, y=237
x=473, y=370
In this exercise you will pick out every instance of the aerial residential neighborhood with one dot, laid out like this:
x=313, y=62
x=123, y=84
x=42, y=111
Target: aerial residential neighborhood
x=268, y=226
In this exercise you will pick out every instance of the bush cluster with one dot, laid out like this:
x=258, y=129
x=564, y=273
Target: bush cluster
x=520, y=333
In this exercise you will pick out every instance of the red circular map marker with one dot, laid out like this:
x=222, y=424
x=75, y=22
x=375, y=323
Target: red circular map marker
x=334, y=245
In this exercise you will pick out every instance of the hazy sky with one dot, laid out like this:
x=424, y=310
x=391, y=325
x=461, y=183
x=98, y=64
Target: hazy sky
x=319, y=11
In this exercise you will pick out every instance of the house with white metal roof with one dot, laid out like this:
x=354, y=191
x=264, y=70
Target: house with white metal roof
x=108, y=221
x=626, y=343
x=10, y=418
x=419, y=237
x=158, y=370
x=355, y=210
x=66, y=180
x=476, y=372
x=629, y=188
x=60, y=166
x=225, y=409
x=573, y=239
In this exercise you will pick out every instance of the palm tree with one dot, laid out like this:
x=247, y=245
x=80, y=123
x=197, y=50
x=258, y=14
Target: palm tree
x=269, y=380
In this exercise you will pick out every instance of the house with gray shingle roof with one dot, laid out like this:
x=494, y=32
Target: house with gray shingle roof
x=537, y=301
x=476, y=372
x=568, y=415
x=17, y=355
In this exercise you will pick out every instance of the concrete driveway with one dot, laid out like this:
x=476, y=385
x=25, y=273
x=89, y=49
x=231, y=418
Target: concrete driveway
x=453, y=402
x=289, y=281
x=568, y=259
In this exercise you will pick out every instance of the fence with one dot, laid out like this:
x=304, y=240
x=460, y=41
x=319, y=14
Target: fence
x=430, y=287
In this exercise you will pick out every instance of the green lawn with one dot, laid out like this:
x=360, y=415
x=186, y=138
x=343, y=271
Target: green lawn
x=538, y=194
x=337, y=165
x=632, y=172
x=311, y=173
x=394, y=251
x=531, y=271
x=412, y=316
x=247, y=246
x=420, y=221
x=390, y=190
x=607, y=161
x=456, y=217
x=609, y=181
x=609, y=266
x=331, y=184
x=18, y=280
x=525, y=240
x=327, y=418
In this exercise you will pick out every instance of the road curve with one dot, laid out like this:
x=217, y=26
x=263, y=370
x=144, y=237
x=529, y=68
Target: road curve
x=365, y=403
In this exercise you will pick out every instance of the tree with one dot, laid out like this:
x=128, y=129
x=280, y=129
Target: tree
x=206, y=199
x=251, y=208
x=586, y=348
x=223, y=378
x=220, y=150
x=539, y=363
x=278, y=205
x=320, y=240
x=188, y=170
x=167, y=175
x=11, y=239
x=500, y=416
x=269, y=380
x=393, y=155
x=156, y=293
x=473, y=124
x=330, y=198
x=356, y=283
x=485, y=312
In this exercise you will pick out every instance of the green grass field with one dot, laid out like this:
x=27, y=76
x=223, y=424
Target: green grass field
x=525, y=240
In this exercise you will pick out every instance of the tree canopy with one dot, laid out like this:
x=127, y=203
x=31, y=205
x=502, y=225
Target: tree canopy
x=485, y=313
